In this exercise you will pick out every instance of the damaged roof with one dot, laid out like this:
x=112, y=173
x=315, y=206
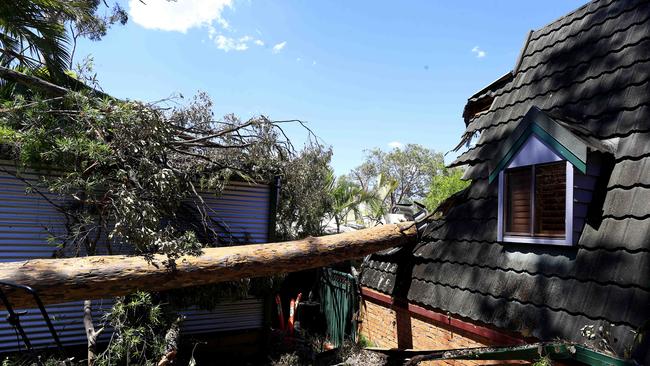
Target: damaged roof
x=590, y=71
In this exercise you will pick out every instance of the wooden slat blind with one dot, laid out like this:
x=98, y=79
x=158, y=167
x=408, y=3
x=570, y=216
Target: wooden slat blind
x=518, y=183
x=550, y=197
x=548, y=203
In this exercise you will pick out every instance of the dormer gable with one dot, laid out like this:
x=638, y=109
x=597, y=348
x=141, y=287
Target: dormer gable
x=546, y=174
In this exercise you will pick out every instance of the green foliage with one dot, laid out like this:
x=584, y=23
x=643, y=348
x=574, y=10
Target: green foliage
x=133, y=171
x=289, y=359
x=8, y=135
x=137, y=321
x=411, y=166
x=43, y=359
x=444, y=185
x=396, y=176
x=34, y=33
x=353, y=203
x=544, y=361
x=346, y=199
x=35, y=24
x=364, y=342
x=304, y=194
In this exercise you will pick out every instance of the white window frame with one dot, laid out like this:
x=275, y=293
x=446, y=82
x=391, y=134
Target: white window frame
x=535, y=159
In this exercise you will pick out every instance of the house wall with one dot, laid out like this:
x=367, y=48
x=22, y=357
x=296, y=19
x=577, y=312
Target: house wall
x=584, y=186
x=27, y=220
x=388, y=324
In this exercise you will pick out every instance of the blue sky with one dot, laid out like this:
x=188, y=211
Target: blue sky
x=363, y=74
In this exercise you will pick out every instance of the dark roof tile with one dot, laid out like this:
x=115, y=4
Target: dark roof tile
x=480, y=188
x=378, y=280
x=601, y=266
x=631, y=202
x=629, y=233
x=468, y=229
x=529, y=319
x=481, y=208
x=634, y=146
x=539, y=290
x=630, y=173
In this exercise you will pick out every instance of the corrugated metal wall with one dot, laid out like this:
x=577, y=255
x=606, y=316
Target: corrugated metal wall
x=28, y=220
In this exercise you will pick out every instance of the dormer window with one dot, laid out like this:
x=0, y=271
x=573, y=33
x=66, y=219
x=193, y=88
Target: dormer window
x=535, y=201
x=533, y=196
x=541, y=167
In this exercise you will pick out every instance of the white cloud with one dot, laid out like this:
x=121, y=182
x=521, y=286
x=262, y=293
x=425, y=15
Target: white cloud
x=395, y=144
x=227, y=44
x=234, y=44
x=279, y=47
x=479, y=52
x=182, y=15
x=298, y=59
x=179, y=15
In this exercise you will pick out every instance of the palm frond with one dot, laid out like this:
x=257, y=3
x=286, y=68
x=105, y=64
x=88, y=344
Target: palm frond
x=33, y=34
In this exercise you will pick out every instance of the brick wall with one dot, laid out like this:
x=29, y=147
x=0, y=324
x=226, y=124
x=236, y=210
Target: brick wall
x=391, y=326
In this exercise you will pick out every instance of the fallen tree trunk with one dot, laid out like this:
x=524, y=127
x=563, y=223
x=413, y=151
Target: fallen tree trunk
x=70, y=279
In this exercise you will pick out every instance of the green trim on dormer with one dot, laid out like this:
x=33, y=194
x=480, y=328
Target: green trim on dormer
x=551, y=132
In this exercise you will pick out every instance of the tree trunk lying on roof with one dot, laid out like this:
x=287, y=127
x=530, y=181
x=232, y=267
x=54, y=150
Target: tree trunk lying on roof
x=70, y=279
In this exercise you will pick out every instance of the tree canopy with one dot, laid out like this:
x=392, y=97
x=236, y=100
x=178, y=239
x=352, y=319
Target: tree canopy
x=131, y=172
x=444, y=185
x=411, y=167
x=412, y=172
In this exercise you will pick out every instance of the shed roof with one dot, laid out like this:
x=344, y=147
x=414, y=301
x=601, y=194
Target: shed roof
x=589, y=71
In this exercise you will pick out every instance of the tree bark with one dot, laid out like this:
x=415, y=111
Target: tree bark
x=96, y=277
x=172, y=340
x=91, y=334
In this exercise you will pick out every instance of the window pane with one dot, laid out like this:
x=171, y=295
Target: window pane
x=550, y=188
x=518, y=212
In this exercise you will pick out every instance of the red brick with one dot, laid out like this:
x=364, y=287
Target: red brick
x=380, y=326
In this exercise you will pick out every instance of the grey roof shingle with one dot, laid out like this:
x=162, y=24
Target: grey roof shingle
x=591, y=70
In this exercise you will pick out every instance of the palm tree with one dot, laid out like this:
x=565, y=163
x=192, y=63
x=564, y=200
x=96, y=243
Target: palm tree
x=350, y=198
x=346, y=198
x=33, y=33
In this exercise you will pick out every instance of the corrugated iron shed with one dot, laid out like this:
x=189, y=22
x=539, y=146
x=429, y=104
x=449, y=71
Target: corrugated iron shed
x=27, y=220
